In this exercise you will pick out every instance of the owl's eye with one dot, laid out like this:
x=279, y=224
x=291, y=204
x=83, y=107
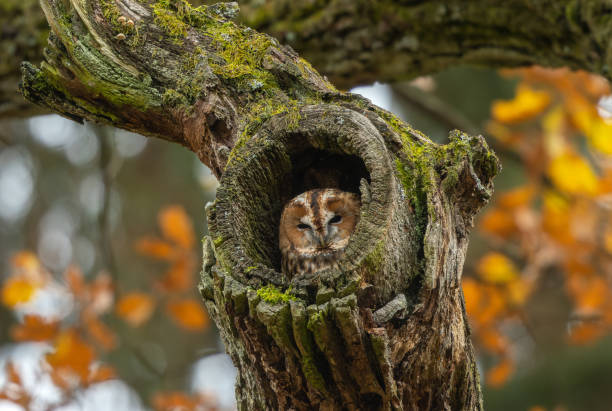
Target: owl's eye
x=335, y=219
x=303, y=226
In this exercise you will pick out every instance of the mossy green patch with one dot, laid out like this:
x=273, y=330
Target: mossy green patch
x=273, y=295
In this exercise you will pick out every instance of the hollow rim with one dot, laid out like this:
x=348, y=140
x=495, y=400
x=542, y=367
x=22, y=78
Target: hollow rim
x=259, y=168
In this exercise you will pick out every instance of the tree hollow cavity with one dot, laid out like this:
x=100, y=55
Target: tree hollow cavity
x=318, y=147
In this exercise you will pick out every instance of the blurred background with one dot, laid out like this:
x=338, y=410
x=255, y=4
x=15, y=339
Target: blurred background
x=100, y=252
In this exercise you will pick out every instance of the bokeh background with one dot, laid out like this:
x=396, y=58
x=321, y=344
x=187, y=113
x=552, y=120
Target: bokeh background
x=100, y=252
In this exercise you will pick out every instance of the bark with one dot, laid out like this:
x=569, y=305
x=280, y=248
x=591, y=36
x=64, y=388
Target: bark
x=387, y=330
x=361, y=41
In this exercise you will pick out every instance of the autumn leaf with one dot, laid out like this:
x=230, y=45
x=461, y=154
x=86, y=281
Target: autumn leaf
x=585, y=333
x=34, y=328
x=179, y=276
x=172, y=401
x=600, y=136
x=526, y=104
x=27, y=261
x=101, y=333
x=135, y=308
x=176, y=226
x=71, y=355
x=101, y=373
x=499, y=222
x=517, y=197
x=573, y=175
x=17, y=290
x=496, y=268
x=156, y=248
x=471, y=294
x=499, y=374
x=74, y=279
x=188, y=314
x=493, y=341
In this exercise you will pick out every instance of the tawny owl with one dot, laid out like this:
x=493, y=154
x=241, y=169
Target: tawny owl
x=315, y=228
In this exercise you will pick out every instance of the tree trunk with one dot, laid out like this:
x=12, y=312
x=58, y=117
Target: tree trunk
x=388, y=329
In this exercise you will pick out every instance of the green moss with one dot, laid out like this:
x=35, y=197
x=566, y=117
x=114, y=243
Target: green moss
x=273, y=295
x=374, y=260
x=312, y=374
x=170, y=14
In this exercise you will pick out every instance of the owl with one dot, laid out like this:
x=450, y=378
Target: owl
x=315, y=228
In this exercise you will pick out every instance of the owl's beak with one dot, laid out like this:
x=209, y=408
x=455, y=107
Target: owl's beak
x=322, y=241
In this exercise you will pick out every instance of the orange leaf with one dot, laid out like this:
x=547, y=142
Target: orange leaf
x=493, y=341
x=34, y=328
x=26, y=260
x=492, y=305
x=471, y=292
x=17, y=290
x=189, y=314
x=135, y=308
x=172, y=401
x=499, y=222
x=585, y=333
x=520, y=196
x=176, y=226
x=102, y=373
x=74, y=278
x=101, y=333
x=526, y=104
x=499, y=374
x=71, y=355
x=590, y=292
x=156, y=248
x=179, y=277
x=13, y=375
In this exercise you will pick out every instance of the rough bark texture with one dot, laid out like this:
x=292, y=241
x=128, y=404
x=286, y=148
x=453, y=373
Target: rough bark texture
x=388, y=329
x=360, y=41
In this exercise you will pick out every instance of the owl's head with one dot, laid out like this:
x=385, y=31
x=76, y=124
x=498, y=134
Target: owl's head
x=318, y=221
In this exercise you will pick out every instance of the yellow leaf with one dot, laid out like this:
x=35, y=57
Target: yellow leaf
x=526, y=104
x=189, y=314
x=553, y=124
x=608, y=240
x=496, y=268
x=518, y=291
x=601, y=137
x=572, y=174
x=176, y=226
x=17, y=290
x=135, y=308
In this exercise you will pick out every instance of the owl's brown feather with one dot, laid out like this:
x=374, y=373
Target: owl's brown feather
x=315, y=228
